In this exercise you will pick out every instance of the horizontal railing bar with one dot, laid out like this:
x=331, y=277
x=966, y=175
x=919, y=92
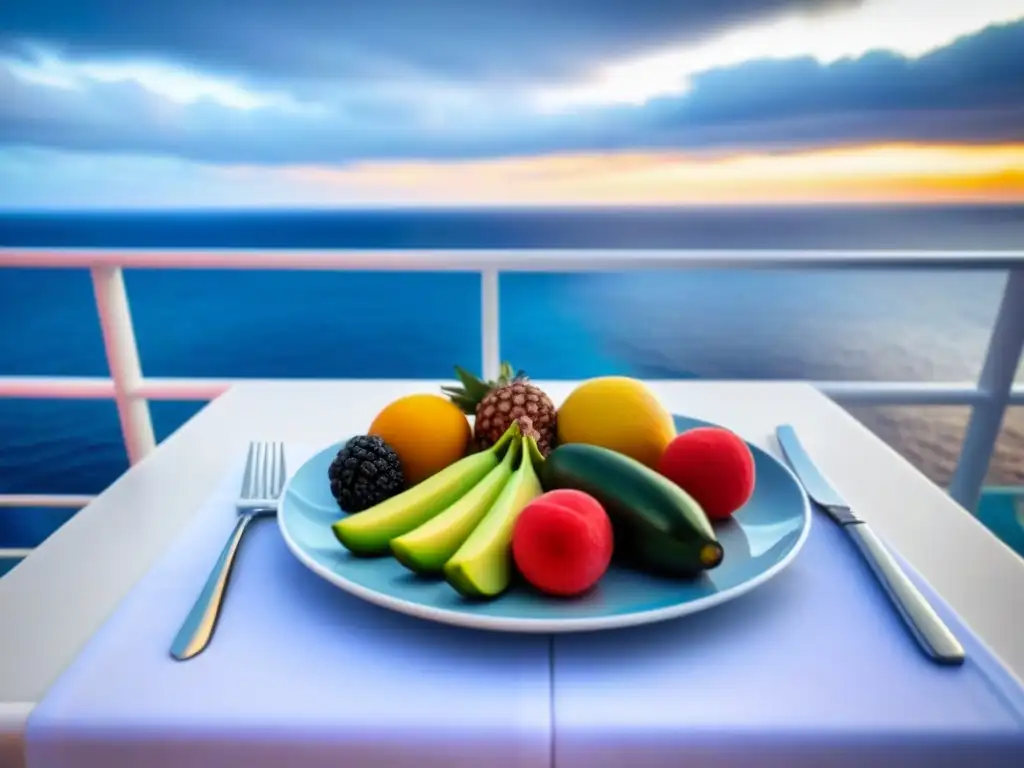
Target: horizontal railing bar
x=57, y=387
x=847, y=392
x=14, y=553
x=100, y=388
x=189, y=389
x=1008, y=490
x=903, y=393
x=45, y=500
x=509, y=260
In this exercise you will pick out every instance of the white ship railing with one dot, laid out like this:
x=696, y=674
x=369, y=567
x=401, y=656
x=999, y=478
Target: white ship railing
x=131, y=391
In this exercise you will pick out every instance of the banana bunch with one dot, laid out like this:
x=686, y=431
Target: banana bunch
x=458, y=522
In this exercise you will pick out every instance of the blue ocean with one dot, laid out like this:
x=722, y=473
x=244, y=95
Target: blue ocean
x=808, y=325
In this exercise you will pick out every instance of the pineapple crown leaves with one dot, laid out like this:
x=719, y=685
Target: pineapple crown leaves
x=474, y=389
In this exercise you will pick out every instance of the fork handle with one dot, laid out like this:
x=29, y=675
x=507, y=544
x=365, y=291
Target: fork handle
x=197, y=629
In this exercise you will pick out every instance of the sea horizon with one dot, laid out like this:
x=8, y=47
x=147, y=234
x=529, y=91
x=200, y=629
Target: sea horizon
x=864, y=226
x=867, y=325
x=542, y=208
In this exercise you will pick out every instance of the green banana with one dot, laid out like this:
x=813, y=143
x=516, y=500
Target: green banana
x=371, y=531
x=427, y=548
x=482, y=567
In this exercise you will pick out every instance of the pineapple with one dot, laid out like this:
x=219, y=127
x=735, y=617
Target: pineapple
x=496, y=404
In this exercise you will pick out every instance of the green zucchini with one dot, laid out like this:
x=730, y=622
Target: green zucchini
x=658, y=527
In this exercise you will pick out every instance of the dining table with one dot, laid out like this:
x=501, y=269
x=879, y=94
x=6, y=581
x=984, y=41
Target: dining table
x=811, y=668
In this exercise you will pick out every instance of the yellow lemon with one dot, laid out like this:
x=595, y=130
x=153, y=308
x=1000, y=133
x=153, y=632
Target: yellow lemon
x=618, y=413
x=428, y=432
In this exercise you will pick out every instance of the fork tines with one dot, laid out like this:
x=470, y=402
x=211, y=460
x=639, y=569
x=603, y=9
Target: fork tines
x=264, y=471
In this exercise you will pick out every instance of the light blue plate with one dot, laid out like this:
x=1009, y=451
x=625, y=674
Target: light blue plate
x=761, y=539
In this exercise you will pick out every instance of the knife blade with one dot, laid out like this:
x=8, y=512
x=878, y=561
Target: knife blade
x=931, y=633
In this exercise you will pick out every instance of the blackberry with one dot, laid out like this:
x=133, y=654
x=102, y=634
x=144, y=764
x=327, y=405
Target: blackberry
x=364, y=473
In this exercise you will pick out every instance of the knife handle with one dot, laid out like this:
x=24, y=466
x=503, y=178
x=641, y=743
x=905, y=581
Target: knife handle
x=922, y=620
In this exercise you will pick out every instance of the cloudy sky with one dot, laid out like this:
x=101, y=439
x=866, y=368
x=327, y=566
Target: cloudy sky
x=108, y=103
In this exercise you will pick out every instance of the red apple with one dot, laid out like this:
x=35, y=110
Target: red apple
x=713, y=465
x=562, y=542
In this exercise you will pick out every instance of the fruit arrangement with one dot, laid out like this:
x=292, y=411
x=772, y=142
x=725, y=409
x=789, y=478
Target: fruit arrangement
x=556, y=495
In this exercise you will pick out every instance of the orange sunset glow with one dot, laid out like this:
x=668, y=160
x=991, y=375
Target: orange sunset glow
x=893, y=173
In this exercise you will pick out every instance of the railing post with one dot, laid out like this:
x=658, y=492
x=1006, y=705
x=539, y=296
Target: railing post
x=123, y=361
x=489, y=326
x=995, y=383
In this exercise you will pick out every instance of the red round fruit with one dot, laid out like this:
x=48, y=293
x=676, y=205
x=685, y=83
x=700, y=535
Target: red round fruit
x=562, y=542
x=713, y=465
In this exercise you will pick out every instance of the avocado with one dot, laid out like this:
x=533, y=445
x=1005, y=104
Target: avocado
x=427, y=548
x=482, y=566
x=658, y=526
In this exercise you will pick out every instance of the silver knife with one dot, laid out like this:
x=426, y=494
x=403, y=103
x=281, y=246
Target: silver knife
x=924, y=623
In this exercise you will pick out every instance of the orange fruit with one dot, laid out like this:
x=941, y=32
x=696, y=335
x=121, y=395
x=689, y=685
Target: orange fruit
x=428, y=432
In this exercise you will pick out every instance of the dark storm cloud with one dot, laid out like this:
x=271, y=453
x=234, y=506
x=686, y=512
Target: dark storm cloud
x=327, y=39
x=970, y=91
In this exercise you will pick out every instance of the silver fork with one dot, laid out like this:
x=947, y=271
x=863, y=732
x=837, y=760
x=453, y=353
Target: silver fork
x=262, y=484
